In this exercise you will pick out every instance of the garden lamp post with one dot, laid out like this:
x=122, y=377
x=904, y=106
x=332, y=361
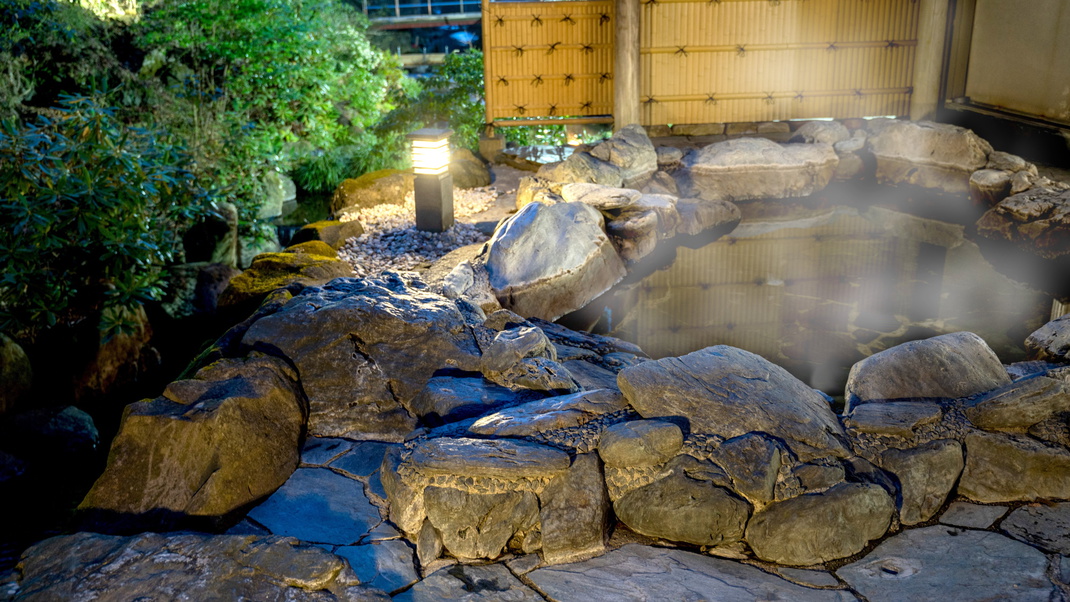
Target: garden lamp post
x=434, y=185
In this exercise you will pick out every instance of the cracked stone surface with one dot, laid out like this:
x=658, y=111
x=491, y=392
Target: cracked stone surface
x=976, y=516
x=951, y=564
x=639, y=573
x=387, y=565
x=1044, y=526
x=468, y=583
x=320, y=506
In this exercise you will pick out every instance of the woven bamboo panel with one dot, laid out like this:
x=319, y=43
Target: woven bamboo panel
x=548, y=59
x=713, y=61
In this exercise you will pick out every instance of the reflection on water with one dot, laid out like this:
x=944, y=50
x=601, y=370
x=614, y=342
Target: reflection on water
x=820, y=289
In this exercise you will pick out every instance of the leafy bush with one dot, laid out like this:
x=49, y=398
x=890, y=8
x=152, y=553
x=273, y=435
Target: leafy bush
x=257, y=84
x=453, y=95
x=48, y=48
x=91, y=210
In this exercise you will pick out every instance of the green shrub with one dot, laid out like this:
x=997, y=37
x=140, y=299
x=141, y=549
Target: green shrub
x=453, y=95
x=50, y=47
x=256, y=84
x=92, y=210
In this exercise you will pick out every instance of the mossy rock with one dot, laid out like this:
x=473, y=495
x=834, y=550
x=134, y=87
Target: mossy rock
x=311, y=247
x=386, y=186
x=311, y=263
x=332, y=232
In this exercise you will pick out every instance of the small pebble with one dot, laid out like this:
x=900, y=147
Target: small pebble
x=392, y=242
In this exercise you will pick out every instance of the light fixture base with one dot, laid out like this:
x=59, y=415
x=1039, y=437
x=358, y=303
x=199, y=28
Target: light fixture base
x=434, y=202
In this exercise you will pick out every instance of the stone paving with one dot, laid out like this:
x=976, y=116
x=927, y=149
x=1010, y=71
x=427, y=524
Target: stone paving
x=971, y=552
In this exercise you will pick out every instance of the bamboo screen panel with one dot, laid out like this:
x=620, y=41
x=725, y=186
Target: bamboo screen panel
x=548, y=59
x=720, y=61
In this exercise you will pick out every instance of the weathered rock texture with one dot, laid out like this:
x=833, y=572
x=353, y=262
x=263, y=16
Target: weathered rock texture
x=186, y=566
x=943, y=367
x=386, y=186
x=1051, y=342
x=208, y=446
x=755, y=168
x=931, y=155
x=1037, y=220
x=818, y=527
x=365, y=349
x=546, y=261
x=728, y=392
x=632, y=152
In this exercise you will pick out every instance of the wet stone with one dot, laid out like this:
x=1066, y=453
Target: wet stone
x=387, y=566
x=1046, y=527
x=363, y=460
x=492, y=582
x=319, y=451
x=638, y=573
x=918, y=564
x=975, y=516
x=320, y=506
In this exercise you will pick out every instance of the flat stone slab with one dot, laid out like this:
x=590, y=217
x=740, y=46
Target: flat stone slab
x=387, y=565
x=755, y=168
x=899, y=419
x=950, y=564
x=488, y=458
x=975, y=516
x=319, y=451
x=320, y=506
x=185, y=566
x=641, y=573
x=810, y=577
x=551, y=413
x=468, y=583
x=363, y=459
x=1046, y=527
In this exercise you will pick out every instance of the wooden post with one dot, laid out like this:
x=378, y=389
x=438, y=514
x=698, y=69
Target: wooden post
x=929, y=59
x=626, y=64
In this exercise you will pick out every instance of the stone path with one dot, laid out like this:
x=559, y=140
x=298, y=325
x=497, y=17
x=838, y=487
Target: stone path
x=973, y=552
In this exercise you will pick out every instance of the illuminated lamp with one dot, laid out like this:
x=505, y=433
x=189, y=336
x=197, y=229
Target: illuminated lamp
x=434, y=184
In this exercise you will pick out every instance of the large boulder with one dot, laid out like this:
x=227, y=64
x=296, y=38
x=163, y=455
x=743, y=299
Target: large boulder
x=549, y=260
x=697, y=216
x=366, y=348
x=679, y=508
x=926, y=476
x=210, y=445
x=931, y=155
x=632, y=152
x=729, y=392
x=1051, y=342
x=1037, y=221
x=383, y=187
x=824, y=132
x=753, y=168
x=277, y=190
x=819, y=527
x=186, y=566
x=948, y=366
x=310, y=263
x=1019, y=405
x=1007, y=468
x=582, y=167
x=333, y=232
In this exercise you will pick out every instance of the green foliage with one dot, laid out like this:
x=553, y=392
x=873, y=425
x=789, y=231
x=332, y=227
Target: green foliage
x=453, y=95
x=92, y=210
x=257, y=84
x=527, y=135
x=48, y=48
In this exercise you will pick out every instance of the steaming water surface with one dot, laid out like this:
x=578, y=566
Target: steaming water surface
x=815, y=289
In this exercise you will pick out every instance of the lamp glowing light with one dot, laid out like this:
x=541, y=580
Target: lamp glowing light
x=434, y=184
